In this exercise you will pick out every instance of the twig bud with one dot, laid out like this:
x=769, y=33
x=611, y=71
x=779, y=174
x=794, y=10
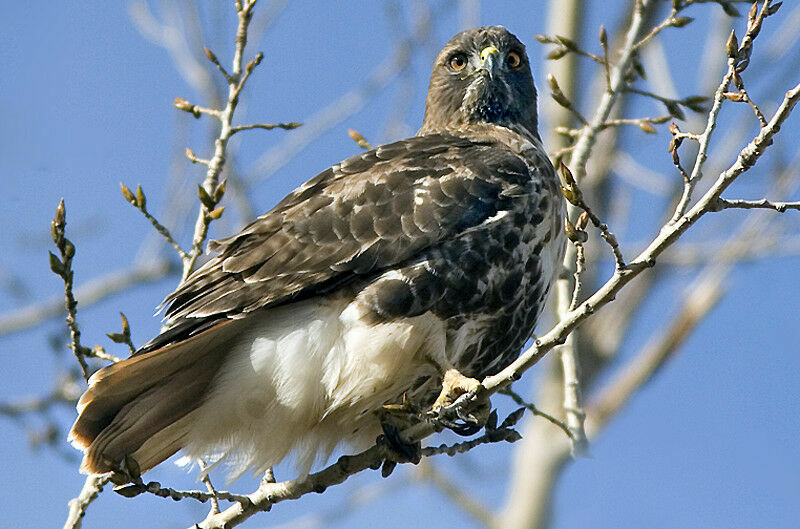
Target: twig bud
x=127, y=193
x=68, y=249
x=126, y=327
x=255, y=62
x=56, y=265
x=696, y=103
x=573, y=234
x=181, y=104
x=571, y=191
x=556, y=93
x=129, y=491
x=751, y=15
x=557, y=54
x=676, y=140
x=132, y=466
x=583, y=221
x=141, y=201
x=116, y=337
x=220, y=191
x=647, y=127
x=569, y=228
x=675, y=110
x=216, y=213
x=568, y=43
x=603, y=37
x=61, y=213
x=205, y=198
x=679, y=22
x=211, y=56
x=512, y=419
x=566, y=174
x=732, y=46
x=567, y=192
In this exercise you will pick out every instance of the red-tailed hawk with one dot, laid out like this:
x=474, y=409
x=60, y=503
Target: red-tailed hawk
x=431, y=255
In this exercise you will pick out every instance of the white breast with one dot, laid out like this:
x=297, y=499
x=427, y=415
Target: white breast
x=306, y=376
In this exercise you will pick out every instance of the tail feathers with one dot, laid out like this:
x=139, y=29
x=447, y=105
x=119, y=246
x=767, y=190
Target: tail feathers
x=142, y=407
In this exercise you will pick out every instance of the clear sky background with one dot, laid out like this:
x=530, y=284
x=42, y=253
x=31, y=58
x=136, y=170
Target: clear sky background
x=87, y=103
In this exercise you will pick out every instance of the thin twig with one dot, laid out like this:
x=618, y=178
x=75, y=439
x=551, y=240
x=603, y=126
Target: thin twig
x=574, y=196
x=586, y=141
x=570, y=367
x=559, y=97
x=139, y=201
x=536, y=411
x=195, y=110
x=63, y=268
x=210, y=488
x=738, y=59
x=346, y=105
x=743, y=95
x=704, y=140
x=674, y=148
x=580, y=263
x=134, y=489
x=291, y=125
x=670, y=21
x=780, y=207
x=92, y=488
x=100, y=353
x=211, y=191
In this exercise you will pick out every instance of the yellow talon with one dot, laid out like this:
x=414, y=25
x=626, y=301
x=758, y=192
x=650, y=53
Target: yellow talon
x=454, y=384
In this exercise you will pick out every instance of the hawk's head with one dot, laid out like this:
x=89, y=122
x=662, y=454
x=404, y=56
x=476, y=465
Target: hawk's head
x=481, y=75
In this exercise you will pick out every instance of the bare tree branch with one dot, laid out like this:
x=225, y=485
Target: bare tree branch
x=92, y=487
x=236, y=80
x=780, y=207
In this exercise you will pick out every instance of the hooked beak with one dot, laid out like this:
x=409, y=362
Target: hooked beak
x=489, y=57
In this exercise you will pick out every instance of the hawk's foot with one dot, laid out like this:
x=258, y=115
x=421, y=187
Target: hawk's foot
x=396, y=449
x=446, y=410
x=454, y=384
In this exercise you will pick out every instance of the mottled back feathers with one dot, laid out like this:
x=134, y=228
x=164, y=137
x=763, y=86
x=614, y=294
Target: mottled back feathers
x=364, y=215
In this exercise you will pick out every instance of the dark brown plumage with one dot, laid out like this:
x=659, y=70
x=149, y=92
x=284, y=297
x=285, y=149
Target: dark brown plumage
x=438, y=250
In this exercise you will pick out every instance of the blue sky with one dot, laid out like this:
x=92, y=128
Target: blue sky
x=87, y=103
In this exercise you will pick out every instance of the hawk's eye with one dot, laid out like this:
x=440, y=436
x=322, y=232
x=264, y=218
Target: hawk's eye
x=514, y=60
x=457, y=62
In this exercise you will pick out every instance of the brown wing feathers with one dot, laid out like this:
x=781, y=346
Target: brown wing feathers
x=366, y=214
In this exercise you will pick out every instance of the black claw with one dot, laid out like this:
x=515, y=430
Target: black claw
x=401, y=451
x=463, y=424
x=455, y=417
x=387, y=468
